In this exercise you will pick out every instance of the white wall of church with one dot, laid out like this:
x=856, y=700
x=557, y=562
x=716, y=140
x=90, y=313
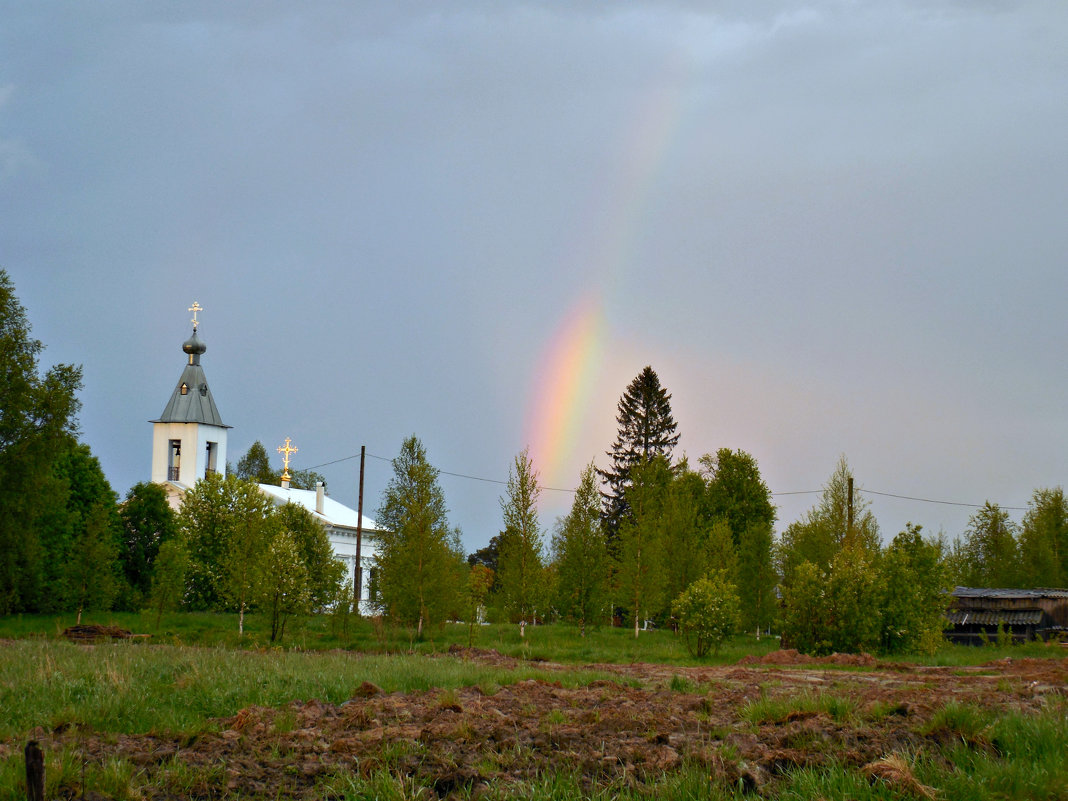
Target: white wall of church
x=343, y=543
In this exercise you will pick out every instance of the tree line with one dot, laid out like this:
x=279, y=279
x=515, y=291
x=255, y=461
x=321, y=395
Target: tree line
x=651, y=539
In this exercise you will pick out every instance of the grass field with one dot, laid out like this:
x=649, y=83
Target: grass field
x=193, y=712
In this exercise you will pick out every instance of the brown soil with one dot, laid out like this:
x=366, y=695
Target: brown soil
x=95, y=631
x=610, y=732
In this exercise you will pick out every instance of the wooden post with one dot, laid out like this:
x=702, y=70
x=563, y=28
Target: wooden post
x=35, y=772
x=849, y=524
x=358, y=573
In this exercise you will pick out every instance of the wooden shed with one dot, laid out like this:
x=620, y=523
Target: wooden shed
x=975, y=615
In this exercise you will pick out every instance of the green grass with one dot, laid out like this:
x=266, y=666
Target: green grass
x=135, y=688
x=779, y=710
x=555, y=643
x=195, y=669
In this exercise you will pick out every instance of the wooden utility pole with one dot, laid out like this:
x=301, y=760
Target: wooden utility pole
x=358, y=576
x=849, y=515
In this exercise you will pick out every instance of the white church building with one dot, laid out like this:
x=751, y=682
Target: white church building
x=189, y=443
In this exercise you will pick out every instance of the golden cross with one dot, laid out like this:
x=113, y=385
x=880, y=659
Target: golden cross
x=285, y=451
x=196, y=307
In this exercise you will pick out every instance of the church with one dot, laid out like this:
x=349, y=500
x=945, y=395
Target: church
x=189, y=443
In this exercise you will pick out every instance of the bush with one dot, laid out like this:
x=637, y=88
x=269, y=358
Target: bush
x=708, y=612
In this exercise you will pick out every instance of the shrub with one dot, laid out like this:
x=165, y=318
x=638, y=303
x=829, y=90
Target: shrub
x=708, y=612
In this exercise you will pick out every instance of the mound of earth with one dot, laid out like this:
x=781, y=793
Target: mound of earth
x=95, y=631
x=790, y=656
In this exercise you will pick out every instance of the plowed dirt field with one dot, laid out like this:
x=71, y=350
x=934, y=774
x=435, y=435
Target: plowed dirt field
x=626, y=731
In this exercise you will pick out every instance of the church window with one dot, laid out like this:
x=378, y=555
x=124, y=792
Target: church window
x=174, y=460
x=185, y=388
x=211, y=462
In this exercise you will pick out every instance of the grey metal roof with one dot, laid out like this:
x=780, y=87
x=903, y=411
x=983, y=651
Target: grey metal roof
x=979, y=592
x=196, y=405
x=963, y=617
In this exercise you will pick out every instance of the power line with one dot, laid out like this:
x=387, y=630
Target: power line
x=773, y=494
x=945, y=503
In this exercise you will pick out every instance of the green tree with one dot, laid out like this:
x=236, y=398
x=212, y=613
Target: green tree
x=853, y=595
x=991, y=556
x=90, y=576
x=1044, y=540
x=913, y=583
x=488, y=556
x=148, y=521
x=479, y=584
x=81, y=491
x=685, y=553
x=168, y=577
x=646, y=429
x=804, y=621
x=228, y=524
x=756, y=577
x=37, y=420
x=252, y=527
x=640, y=568
x=255, y=466
x=282, y=589
x=721, y=552
x=583, y=568
x=837, y=609
x=520, y=570
x=416, y=563
x=315, y=554
x=708, y=613
x=736, y=492
x=828, y=527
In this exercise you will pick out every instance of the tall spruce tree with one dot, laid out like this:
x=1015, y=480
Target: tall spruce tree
x=646, y=429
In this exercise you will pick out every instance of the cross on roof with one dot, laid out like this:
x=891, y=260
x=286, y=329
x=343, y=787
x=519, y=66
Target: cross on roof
x=286, y=450
x=196, y=307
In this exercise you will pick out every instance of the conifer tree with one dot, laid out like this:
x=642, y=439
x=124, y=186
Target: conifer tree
x=520, y=567
x=646, y=429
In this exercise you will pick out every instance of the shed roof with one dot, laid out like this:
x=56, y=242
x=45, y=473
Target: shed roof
x=964, y=617
x=1007, y=594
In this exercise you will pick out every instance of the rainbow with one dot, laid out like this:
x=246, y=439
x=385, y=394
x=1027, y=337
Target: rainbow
x=564, y=383
x=572, y=364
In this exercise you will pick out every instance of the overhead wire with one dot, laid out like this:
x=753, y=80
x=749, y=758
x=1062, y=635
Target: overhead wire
x=773, y=494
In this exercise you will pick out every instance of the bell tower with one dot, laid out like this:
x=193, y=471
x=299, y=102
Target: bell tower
x=189, y=438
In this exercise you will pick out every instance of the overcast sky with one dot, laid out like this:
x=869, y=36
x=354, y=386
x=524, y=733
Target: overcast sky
x=833, y=228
